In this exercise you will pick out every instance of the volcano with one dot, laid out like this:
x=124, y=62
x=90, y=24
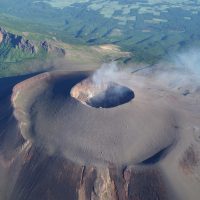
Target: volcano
x=66, y=137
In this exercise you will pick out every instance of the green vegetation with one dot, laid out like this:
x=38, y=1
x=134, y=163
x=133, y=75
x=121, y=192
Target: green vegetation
x=150, y=29
x=21, y=55
x=63, y=3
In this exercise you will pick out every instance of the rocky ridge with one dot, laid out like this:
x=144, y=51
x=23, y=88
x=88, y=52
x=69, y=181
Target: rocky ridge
x=29, y=46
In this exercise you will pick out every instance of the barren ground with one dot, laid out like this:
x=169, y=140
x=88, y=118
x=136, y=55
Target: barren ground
x=147, y=148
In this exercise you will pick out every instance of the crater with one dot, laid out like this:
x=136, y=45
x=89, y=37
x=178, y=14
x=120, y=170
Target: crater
x=102, y=95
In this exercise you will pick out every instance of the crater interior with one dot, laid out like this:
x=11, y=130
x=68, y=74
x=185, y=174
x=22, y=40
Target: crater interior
x=103, y=95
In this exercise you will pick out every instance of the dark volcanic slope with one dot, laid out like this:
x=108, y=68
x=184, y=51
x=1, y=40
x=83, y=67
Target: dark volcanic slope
x=11, y=139
x=60, y=148
x=88, y=135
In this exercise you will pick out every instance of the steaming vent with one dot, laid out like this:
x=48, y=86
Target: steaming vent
x=102, y=95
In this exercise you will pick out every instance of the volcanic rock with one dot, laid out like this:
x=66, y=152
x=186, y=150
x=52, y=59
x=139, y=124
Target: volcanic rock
x=63, y=148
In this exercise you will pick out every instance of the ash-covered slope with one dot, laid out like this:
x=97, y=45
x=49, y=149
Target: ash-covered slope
x=88, y=135
x=147, y=148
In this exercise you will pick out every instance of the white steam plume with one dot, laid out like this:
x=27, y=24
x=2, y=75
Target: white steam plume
x=107, y=73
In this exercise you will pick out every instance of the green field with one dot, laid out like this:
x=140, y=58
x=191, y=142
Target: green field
x=150, y=30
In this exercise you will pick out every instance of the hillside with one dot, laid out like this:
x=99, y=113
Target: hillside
x=23, y=53
x=150, y=29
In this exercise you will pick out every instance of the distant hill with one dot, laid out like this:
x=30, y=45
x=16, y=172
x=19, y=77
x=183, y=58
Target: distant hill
x=150, y=29
x=14, y=48
x=29, y=52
